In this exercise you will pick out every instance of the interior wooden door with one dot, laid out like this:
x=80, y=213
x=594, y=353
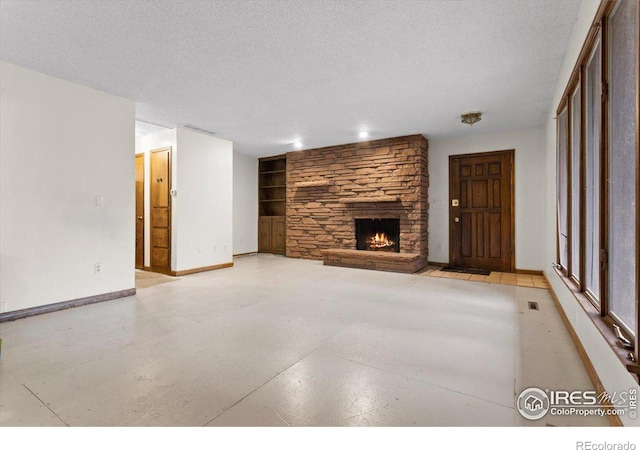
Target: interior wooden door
x=481, y=211
x=160, y=185
x=140, y=211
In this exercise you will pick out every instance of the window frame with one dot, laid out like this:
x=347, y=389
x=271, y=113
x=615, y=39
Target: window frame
x=609, y=312
x=562, y=109
x=576, y=87
x=597, y=309
x=637, y=340
x=598, y=301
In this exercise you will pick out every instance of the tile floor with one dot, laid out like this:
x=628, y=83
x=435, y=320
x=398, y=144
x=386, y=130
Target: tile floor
x=278, y=341
x=537, y=281
x=148, y=279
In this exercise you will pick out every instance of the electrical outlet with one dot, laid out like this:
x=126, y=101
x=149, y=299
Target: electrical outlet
x=99, y=200
x=98, y=268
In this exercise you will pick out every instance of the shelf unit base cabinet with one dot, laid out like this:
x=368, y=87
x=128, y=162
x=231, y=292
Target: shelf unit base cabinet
x=272, y=184
x=271, y=235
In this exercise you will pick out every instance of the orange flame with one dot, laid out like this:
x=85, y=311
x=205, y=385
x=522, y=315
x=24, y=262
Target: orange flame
x=380, y=241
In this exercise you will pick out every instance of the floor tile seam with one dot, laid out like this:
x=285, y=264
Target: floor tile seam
x=255, y=389
x=314, y=350
x=45, y=405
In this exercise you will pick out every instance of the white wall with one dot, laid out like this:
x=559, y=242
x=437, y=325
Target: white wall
x=612, y=373
x=144, y=144
x=529, y=193
x=61, y=145
x=204, y=201
x=245, y=204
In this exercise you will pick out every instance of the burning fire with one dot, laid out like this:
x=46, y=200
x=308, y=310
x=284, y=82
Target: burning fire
x=380, y=241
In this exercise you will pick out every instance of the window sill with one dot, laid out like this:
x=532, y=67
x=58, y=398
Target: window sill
x=603, y=324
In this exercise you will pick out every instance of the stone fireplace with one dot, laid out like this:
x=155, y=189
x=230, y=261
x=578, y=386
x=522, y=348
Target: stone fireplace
x=380, y=185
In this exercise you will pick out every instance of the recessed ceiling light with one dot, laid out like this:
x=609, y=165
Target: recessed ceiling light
x=297, y=144
x=363, y=134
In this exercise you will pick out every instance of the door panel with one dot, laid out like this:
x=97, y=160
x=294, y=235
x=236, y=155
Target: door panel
x=480, y=244
x=160, y=178
x=160, y=236
x=464, y=203
x=160, y=259
x=481, y=228
x=160, y=218
x=465, y=220
x=479, y=192
x=497, y=189
x=495, y=239
x=140, y=211
x=264, y=234
x=161, y=210
x=278, y=233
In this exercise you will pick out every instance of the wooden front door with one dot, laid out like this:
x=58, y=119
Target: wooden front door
x=140, y=211
x=160, y=185
x=481, y=211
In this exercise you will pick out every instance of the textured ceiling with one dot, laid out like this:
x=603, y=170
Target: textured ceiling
x=267, y=73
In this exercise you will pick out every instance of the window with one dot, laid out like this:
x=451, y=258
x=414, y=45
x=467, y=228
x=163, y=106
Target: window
x=563, y=187
x=598, y=180
x=576, y=154
x=622, y=163
x=592, y=124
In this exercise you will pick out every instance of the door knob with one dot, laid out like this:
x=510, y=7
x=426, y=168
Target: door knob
x=456, y=220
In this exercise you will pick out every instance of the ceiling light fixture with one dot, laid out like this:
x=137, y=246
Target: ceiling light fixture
x=471, y=117
x=297, y=144
x=363, y=134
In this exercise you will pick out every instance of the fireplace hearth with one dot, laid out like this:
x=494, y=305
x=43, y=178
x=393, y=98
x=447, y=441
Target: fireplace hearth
x=381, y=235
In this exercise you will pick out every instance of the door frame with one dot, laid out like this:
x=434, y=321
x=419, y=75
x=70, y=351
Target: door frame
x=512, y=203
x=144, y=226
x=153, y=268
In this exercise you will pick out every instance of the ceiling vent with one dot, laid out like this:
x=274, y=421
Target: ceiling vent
x=199, y=130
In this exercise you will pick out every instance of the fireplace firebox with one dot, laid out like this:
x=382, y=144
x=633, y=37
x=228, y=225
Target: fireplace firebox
x=382, y=235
